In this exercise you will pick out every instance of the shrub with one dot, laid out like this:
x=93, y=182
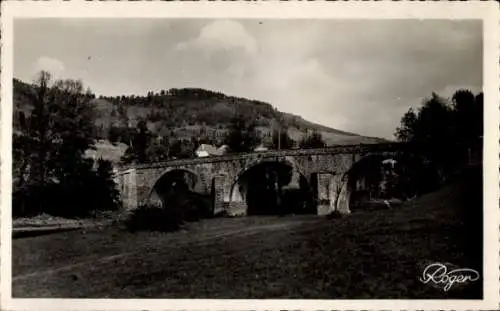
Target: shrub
x=334, y=215
x=193, y=206
x=154, y=218
x=188, y=207
x=77, y=195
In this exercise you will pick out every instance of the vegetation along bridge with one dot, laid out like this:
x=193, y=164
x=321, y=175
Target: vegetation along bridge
x=327, y=174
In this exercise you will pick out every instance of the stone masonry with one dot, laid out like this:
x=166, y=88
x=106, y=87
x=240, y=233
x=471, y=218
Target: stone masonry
x=326, y=168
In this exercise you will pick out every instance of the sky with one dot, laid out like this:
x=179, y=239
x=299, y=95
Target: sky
x=354, y=75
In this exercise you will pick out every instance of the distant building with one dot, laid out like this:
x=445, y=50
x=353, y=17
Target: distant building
x=260, y=149
x=206, y=150
x=223, y=149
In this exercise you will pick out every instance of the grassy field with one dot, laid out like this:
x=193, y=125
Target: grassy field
x=376, y=254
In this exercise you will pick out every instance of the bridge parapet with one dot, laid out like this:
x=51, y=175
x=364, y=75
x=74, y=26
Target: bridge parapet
x=339, y=149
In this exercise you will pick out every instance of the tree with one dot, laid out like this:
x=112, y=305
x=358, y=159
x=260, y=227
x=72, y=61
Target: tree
x=315, y=140
x=182, y=148
x=433, y=131
x=123, y=119
x=141, y=141
x=58, y=131
x=36, y=136
x=282, y=139
x=242, y=136
x=53, y=174
x=114, y=134
x=468, y=118
x=105, y=188
x=21, y=159
x=406, y=131
x=72, y=128
x=159, y=150
x=442, y=134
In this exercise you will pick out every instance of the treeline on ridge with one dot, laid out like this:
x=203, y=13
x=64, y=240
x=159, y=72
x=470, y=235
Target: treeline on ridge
x=191, y=106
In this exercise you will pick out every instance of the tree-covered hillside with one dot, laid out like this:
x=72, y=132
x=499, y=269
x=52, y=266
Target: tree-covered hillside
x=190, y=113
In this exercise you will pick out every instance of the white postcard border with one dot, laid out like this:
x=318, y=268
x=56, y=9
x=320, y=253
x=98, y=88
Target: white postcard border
x=486, y=11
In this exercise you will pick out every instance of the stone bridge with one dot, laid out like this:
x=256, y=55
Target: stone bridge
x=326, y=171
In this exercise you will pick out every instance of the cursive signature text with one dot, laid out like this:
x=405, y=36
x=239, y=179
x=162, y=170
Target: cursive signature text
x=438, y=274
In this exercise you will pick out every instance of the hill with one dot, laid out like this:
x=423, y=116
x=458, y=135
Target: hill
x=190, y=112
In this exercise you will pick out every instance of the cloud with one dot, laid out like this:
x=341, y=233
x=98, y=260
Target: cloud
x=352, y=75
x=222, y=35
x=359, y=76
x=54, y=66
x=355, y=75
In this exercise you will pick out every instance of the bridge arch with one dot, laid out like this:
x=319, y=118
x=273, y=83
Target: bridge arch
x=288, y=160
x=270, y=186
x=366, y=179
x=174, y=177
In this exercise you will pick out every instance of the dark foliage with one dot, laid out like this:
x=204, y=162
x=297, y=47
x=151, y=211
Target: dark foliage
x=313, y=140
x=141, y=140
x=145, y=147
x=79, y=195
x=181, y=208
x=193, y=106
x=443, y=136
x=158, y=150
x=242, y=136
x=153, y=218
x=334, y=215
x=50, y=172
x=117, y=134
x=105, y=188
x=182, y=148
x=281, y=139
x=178, y=204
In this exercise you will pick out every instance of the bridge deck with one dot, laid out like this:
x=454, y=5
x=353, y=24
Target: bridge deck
x=339, y=149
